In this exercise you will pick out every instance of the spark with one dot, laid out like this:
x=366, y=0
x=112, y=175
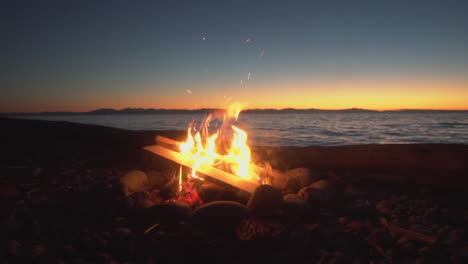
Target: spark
x=180, y=178
x=203, y=37
x=227, y=98
x=261, y=54
x=188, y=91
x=248, y=40
x=249, y=76
x=241, y=82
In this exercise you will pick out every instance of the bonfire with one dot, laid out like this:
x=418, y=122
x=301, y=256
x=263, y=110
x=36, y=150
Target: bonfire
x=215, y=148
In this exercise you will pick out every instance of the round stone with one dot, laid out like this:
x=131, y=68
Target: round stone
x=219, y=218
x=265, y=202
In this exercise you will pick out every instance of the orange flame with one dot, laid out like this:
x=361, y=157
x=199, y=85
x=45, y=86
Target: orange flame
x=225, y=148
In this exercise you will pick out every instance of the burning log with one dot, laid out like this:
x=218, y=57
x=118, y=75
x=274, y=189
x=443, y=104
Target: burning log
x=243, y=184
x=174, y=145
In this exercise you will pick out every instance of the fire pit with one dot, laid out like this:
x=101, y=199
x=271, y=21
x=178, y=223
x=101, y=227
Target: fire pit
x=215, y=148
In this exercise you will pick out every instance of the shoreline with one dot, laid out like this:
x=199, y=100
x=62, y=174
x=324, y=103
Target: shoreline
x=56, y=143
x=304, y=129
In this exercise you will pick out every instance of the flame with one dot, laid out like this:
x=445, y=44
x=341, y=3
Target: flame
x=225, y=148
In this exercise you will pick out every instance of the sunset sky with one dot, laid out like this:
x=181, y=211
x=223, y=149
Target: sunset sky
x=83, y=55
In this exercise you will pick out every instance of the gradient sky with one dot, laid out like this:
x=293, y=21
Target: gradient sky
x=83, y=55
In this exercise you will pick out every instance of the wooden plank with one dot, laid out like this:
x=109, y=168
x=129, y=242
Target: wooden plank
x=236, y=181
x=174, y=145
x=164, y=141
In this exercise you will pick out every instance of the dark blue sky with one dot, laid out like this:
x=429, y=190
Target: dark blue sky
x=80, y=55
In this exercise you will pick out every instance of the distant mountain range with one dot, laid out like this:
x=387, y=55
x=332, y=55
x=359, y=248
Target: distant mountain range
x=151, y=111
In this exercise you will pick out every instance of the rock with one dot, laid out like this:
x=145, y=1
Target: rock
x=384, y=207
x=304, y=176
x=21, y=222
x=265, y=202
x=321, y=191
x=69, y=250
x=122, y=243
x=424, y=251
x=324, y=188
x=9, y=192
x=421, y=261
x=220, y=218
x=15, y=248
x=242, y=197
x=292, y=187
x=39, y=249
x=414, y=219
x=294, y=199
x=170, y=189
x=99, y=242
x=133, y=181
x=405, y=243
x=155, y=178
x=294, y=208
x=36, y=172
x=294, y=202
x=170, y=213
x=305, y=193
x=139, y=200
x=353, y=191
x=355, y=226
x=102, y=257
x=278, y=180
x=455, y=236
x=337, y=257
x=337, y=182
x=342, y=220
x=122, y=233
x=253, y=228
x=210, y=192
x=464, y=251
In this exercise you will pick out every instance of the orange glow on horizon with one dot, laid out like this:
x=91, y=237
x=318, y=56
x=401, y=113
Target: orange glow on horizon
x=374, y=95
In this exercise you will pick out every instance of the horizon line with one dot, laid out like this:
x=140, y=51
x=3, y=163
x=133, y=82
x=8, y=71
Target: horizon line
x=244, y=110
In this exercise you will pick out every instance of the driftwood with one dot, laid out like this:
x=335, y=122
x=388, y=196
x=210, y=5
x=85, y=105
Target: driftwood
x=151, y=228
x=412, y=234
x=408, y=233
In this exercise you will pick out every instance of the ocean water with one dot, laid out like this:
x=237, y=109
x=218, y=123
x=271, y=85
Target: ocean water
x=304, y=129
